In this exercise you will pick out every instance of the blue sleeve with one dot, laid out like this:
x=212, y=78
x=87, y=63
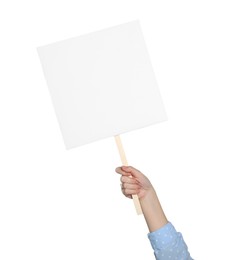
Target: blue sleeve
x=167, y=243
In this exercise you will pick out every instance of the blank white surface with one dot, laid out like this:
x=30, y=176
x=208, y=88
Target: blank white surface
x=195, y=159
x=102, y=84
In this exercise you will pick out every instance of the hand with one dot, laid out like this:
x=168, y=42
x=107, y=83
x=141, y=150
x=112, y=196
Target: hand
x=134, y=182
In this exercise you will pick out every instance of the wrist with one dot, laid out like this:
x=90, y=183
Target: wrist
x=149, y=196
x=152, y=210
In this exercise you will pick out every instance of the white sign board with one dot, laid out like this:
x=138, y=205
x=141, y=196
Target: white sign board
x=102, y=84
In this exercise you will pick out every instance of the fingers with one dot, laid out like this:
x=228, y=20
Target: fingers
x=129, y=189
x=120, y=171
x=132, y=171
x=125, y=179
x=130, y=185
x=129, y=171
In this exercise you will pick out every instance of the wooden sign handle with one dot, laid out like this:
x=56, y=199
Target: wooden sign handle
x=125, y=163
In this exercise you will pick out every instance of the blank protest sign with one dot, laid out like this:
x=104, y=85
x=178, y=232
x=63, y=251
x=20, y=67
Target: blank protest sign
x=102, y=84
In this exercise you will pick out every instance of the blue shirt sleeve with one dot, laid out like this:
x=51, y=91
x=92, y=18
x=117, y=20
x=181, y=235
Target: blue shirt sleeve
x=167, y=243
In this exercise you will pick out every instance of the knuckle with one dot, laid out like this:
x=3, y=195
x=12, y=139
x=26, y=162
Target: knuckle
x=133, y=181
x=126, y=191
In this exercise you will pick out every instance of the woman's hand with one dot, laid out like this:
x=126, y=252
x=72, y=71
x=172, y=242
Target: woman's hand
x=133, y=182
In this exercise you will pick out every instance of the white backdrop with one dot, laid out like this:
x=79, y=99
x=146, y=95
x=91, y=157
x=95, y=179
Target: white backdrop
x=58, y=204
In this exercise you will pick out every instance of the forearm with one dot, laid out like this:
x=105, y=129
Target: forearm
x=152, y=210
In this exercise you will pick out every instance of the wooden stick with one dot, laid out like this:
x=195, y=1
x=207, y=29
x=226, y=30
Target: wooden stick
x=125, y=163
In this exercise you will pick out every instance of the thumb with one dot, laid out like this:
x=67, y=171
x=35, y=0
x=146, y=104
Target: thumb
x=131, y=170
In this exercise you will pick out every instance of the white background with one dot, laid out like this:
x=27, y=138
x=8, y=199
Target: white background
x=58, y=204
